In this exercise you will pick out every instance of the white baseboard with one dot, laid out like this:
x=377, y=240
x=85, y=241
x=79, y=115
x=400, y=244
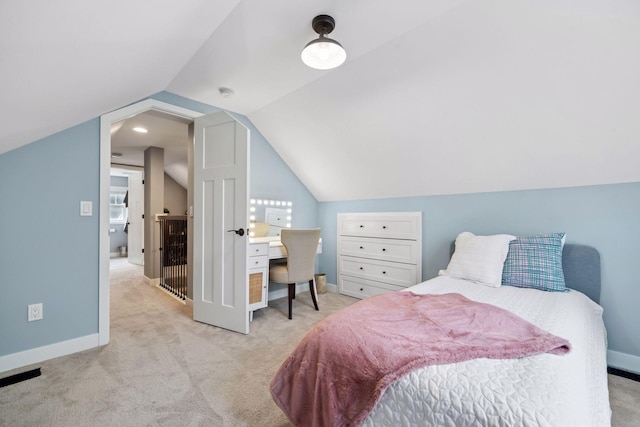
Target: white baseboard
x=51, y=351
x=171, y=294
x=332, y=288
x=624, y=361
x=151, y=282
x=304, y=287
x=114, y=255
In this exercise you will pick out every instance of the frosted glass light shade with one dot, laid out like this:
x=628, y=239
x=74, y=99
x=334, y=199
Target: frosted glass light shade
x=323, y=53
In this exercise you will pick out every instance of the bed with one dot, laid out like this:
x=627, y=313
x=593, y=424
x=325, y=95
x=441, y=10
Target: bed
x=538, y=390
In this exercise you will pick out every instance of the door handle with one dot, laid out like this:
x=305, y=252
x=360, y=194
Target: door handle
x=239, y=231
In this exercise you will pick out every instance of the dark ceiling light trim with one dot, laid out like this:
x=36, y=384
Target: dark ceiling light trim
x=226, y=92
x=323, y=53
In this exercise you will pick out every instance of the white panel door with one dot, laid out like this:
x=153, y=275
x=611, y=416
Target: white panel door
x=135, y=231
x=221, y=217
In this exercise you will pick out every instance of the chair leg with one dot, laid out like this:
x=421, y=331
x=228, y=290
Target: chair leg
x=312, y=289
x=292, y=290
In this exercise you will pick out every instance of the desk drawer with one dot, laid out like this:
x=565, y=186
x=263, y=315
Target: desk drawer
x=381, y=271
x=256, y=249
x=257, y=262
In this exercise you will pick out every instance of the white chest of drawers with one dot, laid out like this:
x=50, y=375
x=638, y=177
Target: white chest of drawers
x=378, y=252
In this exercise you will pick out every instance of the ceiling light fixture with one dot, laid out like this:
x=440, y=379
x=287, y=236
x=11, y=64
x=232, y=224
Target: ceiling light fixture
x=140, y=129
x=323, y=53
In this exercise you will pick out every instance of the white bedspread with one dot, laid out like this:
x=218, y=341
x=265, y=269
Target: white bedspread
x=542, y=390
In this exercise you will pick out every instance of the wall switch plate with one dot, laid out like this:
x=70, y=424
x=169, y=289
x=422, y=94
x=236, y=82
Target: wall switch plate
x=86, y=208
x=34, y=312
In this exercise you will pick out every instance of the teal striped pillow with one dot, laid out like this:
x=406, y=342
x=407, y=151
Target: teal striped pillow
x=535, y=262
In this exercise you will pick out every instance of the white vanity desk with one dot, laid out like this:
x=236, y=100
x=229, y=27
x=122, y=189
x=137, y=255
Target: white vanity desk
x=275, y=248
x=259, y=252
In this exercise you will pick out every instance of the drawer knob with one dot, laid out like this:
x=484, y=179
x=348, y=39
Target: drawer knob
x=384, y=272
x=361, y=247
x=384, y=227
x=361, y=289
x=361, y=268
x=384, y=249
x=257, y=262
x=361, y=226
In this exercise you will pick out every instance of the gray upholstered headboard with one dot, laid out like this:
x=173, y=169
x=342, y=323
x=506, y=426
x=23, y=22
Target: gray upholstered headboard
x=581, y=267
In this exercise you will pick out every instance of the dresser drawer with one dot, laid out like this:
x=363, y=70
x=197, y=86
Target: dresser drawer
x=362, y=288
x=382, y=271
x=405, y=251
x=384, y=225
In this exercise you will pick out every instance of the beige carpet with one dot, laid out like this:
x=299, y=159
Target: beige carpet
x=162, y=368
x=624, y=395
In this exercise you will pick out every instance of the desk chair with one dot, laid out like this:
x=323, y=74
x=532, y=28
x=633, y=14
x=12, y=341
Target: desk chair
x=301, y=246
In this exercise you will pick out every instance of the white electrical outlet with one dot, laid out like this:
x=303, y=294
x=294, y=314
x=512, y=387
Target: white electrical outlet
x=34, y=312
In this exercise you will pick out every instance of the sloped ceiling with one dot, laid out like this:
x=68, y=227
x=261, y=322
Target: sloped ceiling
x=436, y=97
x=167, y=131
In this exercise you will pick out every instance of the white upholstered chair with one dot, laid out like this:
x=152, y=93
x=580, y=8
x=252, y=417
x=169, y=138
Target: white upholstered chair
x=301, y=246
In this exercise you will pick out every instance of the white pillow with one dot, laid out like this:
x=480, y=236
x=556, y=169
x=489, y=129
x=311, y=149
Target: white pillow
x=479, y=258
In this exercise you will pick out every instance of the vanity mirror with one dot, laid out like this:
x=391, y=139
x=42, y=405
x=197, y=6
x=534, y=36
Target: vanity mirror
x=268, y=217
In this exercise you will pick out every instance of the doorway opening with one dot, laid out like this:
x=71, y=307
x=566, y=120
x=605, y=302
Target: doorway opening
x=109, y=124
x=126, y=207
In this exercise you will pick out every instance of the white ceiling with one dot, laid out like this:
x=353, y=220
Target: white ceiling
x=436, y=97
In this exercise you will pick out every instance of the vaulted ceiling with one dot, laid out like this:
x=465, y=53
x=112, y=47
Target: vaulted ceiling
x=436, y=97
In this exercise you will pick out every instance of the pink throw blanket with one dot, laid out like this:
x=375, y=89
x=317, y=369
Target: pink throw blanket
x=339, y=370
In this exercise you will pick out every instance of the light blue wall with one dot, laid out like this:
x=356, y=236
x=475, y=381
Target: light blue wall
x=606, y=217
x=48, y=252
